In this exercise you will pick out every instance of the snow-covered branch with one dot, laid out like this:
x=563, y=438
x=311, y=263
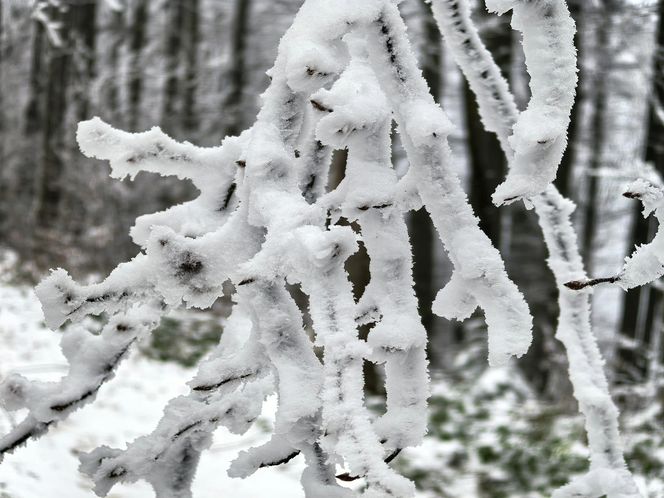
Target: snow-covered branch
x=477, y=280
x=646, y=264
x=264, y=218
x=539, y=134
x=500, y=114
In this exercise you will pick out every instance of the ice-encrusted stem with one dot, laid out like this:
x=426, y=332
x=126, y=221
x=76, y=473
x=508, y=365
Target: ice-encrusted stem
x=346, y=423
x=479, y=276
x=228, y=390
x=314, y=157
x=93, y=360
x=298, y=372
x=367, y=194
x=646, y=263
x=215, y=171
x=499, y=113
x=538, y=137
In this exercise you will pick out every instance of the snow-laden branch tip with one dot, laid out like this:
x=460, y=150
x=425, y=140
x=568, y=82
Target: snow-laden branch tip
x=646, y=263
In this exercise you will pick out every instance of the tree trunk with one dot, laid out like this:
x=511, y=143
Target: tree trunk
x=83, y=41
x=597, y=139
x=136, y=47
x=191, y=40
x=233, y=105
x=118, y=33
x=565, y=177
x=420, y=227
x=172, y=53
x=49, y=178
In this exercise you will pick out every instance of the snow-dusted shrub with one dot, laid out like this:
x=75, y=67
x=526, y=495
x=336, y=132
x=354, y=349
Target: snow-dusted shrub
x=264, y=217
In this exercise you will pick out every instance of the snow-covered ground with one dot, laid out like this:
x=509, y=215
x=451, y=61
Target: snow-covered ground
x=127, y=407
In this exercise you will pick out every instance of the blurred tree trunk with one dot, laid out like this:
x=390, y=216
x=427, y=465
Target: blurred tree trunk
x=33, y=115
x=137, y=44
x=233, y=104
x=51, y=166
x=642, y=305
x=117, y=29
x=172, y=53
x=422, y=232
x=601, y=22
x=191, y=41
x=565, y=177
x=4, y=179
x=83, y=41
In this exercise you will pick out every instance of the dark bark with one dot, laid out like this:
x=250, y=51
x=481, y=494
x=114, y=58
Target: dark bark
x=422, y=232
x=83, y=41
x=191, y=41
x=173, y=56
x=233, y=104
x=597, y=139
x=564, y=178
x=117, y=28
x=51, y=169
x=33, y=112
x=137, y=43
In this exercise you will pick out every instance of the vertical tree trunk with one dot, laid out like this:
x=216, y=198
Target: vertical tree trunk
x=597, y=137
x=422, y=233
x=4, y=180
x=33, y=115
x=191, y=40
x=117, y=29
x=172, y=53
x=565, y=175
x=136, y=47
x=83, y=42
x=233, y=105
x=49, y=187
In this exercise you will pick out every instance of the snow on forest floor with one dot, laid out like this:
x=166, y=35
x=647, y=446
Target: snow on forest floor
x=127, y=407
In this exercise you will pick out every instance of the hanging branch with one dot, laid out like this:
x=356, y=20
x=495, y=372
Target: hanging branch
x=480, y=278
x=499, y=113
x=538, y=137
